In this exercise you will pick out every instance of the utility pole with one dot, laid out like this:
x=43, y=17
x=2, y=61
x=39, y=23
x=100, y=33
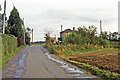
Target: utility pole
x=100, y=27
x=4, y=17
x=32, y=35
x=61, y=28
x=24, y=30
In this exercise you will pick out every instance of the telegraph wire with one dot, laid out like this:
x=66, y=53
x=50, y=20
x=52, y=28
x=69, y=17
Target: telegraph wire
x=12, y=3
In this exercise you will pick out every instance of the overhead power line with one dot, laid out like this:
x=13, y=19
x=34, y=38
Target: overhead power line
x=12, y=3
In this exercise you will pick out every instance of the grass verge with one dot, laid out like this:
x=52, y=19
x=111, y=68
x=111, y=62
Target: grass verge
x=104, y=74
x=51, y=50
x=5, y=59
x=107, y=75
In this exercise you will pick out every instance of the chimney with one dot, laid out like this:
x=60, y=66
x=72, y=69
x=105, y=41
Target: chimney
x=61, y=28
x=73, y=28
x=100, y=27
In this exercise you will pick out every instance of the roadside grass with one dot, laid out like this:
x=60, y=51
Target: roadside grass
x=51, y=50
x=6, y=58
x=86, y=50
x=101, y=73
x=107, y=75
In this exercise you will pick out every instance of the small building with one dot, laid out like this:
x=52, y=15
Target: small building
x=65, y=33
x=116, y=36
x=53, y=40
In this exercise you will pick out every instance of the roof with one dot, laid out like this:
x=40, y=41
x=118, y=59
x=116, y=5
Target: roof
x=67, y=30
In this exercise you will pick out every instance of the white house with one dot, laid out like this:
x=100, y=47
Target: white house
x=117, y=36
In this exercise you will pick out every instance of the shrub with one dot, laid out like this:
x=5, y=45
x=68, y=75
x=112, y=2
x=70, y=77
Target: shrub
x=106, y=43
x=9, y=44
x=0, y=45
x=51, y=50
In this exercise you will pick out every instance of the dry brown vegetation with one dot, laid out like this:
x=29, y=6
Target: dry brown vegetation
x=104, y=59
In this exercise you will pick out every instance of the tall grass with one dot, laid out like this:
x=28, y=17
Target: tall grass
x=86, y=50
x=6, y=58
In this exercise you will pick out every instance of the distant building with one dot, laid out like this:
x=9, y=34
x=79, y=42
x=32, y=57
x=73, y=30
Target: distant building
x=116, y=36
x=53, y=40
x=65, y=33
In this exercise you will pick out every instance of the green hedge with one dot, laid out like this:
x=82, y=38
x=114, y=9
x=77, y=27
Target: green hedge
x=0, y=50
x=0, y=44
x=9, y=44
x=5, y=59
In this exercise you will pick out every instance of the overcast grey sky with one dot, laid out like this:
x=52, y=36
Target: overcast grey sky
x=50, y=14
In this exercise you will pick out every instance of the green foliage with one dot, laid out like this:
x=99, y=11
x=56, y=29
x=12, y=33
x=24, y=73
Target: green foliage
x=9, y=44
x=0, y=46
x=51, y=50
x=86, y=37
x=114, y=44
x=3, y=17
x=27, y=38
x=15, y=24
x=86, y=50
x=27, y=35
x=106, y=43
x=47, y=40
x=71, y=38
x=9, y=56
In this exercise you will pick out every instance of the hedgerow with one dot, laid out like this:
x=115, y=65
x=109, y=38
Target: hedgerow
x=9, y=44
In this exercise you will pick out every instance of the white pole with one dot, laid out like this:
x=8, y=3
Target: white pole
x=4, y=17
x=32, y=35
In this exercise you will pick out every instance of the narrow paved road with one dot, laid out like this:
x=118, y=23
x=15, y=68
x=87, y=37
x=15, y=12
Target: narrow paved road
x=38, y=65
x=32, y=62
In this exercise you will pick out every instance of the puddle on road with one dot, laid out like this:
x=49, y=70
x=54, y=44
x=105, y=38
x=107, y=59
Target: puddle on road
x=5, y=71
x=20, y=67
x=16, y=66
x=74, y=75
x=74, y=72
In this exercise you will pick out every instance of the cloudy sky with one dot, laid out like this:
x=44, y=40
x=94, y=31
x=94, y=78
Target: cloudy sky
x=48, y=15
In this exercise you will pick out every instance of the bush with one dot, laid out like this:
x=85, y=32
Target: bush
x=106, y=43
x=114, y=44
x=0, y=44
x=9, y=44
x=51, y=50
x=5, y=59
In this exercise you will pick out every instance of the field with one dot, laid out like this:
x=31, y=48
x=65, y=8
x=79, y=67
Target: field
x=104, y=59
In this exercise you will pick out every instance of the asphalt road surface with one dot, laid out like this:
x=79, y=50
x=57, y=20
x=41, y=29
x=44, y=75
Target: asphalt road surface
x=35, y=62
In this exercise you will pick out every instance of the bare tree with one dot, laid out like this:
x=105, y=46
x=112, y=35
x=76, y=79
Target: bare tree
x=48, y=31
x=47, y=36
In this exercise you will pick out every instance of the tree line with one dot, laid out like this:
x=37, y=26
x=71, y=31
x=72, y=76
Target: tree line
x=87, y=37
x=14, y=26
